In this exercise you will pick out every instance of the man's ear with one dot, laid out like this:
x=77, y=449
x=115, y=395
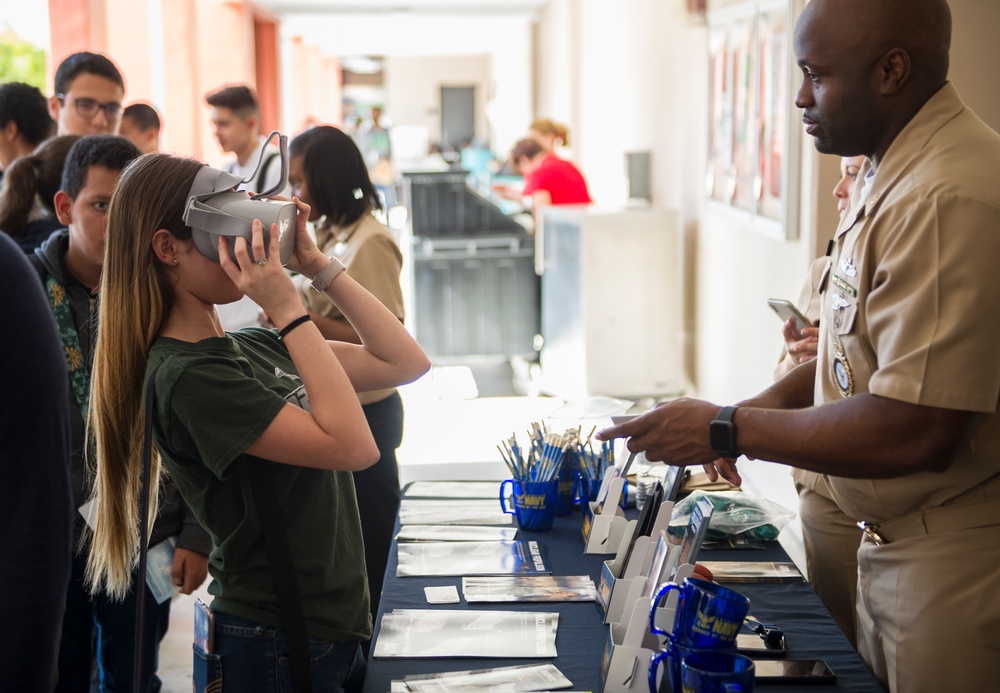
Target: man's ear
x=10, y=131
x=64, y=207
x=253, y=122
x=54, y=107
x=165, y=247
x=894, y=71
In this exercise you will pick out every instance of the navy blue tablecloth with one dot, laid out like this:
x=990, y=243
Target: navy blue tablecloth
x=810, y=632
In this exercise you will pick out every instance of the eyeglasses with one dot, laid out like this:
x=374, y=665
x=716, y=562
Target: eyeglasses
x=88, y=108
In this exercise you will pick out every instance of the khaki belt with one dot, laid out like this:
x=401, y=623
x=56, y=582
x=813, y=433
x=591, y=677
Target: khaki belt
x=945, y=518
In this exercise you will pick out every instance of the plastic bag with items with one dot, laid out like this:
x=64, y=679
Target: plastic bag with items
x=736, y=515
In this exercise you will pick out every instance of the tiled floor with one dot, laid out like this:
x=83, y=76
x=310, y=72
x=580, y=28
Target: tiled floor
x=450, y=432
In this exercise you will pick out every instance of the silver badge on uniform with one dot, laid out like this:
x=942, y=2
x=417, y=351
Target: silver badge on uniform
x=840, y=302
x=847, y=264
x=842, y=370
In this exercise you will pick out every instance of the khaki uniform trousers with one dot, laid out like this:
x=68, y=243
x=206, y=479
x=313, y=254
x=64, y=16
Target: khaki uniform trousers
x=929, y=612
x=831, y=541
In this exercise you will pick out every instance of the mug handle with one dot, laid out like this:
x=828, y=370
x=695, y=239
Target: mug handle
x=660, y=595
x=503, y=496
x=654, y=667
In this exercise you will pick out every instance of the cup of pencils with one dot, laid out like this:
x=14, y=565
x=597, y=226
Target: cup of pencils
x=534, y=503
x=592, y=465
x=536, y=477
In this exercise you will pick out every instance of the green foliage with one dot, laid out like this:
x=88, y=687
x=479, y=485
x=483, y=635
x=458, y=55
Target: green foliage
x=21, y=62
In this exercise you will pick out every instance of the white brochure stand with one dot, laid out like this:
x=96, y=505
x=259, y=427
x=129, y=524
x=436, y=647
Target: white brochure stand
x=603, y=531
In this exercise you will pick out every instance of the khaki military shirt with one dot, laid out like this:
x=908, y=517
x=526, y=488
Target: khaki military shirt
x=372, y=258
x=911, y=301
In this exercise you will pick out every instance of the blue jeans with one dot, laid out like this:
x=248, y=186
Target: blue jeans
x=98, y=627
x=252, y=657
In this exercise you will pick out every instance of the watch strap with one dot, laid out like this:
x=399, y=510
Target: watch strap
x=325, y=276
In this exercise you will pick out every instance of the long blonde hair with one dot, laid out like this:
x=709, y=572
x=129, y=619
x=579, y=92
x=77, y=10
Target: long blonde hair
x=136, y=298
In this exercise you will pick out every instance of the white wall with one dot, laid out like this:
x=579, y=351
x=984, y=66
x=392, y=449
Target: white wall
x=413, y=88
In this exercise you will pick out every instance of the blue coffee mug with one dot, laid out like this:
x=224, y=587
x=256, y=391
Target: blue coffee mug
x=708, y=616
x=673, y=653
x=716, y=671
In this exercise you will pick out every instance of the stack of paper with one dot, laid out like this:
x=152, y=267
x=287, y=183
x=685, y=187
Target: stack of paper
x=459, y=633
x=452, y=512
x=454, y=489
x=471, y=558
x=455, y=533
x=753, y=571
x=529, y=677
x=529, y=588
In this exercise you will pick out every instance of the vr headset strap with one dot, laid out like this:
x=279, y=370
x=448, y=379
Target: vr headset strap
x=272, y=521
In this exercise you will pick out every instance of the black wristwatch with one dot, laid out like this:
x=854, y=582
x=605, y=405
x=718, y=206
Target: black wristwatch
x=722, y=433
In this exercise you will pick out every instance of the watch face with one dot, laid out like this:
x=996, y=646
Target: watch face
x=722, y=438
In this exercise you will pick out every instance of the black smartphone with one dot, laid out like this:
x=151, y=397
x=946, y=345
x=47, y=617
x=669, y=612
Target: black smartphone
x=752, y=645
x=793, y=671
x=785, y=310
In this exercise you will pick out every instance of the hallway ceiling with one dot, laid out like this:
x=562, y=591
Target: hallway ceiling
x=289, y=8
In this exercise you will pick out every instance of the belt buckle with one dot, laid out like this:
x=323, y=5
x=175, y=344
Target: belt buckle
x=871, y=529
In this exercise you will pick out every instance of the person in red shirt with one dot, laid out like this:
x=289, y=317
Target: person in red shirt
x=548, y=180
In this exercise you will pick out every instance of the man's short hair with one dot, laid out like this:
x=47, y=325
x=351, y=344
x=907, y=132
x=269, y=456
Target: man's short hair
x=91, y=63
x=28, y=108
x=110, y=151
x=240, y=99
x=143, y=115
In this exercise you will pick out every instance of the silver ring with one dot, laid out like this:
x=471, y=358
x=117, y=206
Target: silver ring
x=262, y=261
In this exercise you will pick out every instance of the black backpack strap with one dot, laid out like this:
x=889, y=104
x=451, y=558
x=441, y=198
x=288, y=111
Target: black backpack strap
x=140, y=583
x=272, y=523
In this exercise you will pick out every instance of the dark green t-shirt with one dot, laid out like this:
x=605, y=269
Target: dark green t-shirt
x=214, y=398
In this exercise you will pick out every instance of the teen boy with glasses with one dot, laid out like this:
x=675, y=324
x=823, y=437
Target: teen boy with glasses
x=89, y=91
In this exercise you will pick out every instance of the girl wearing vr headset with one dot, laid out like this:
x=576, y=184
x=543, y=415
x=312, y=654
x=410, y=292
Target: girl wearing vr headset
x=232, y=409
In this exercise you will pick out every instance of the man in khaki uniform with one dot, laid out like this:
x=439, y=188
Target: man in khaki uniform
x=901, y=402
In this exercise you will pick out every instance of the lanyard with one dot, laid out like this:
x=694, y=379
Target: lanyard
x=79, y=374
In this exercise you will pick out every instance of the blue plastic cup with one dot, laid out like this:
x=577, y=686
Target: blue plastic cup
x=567, y=487
x=587, y=490
x=672, y=653
x=534, y=503
x=716, y=671
x=708, y=616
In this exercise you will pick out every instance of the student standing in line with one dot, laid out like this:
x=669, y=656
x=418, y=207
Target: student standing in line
x=70, y=264
x=236, y=119
x=231, y=407
x=88, y=95
x=141, y=124
x=24, y=122
x=36, y=504
x=28, y=192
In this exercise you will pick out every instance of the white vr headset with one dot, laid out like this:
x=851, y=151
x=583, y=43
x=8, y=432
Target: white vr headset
x=216, y=208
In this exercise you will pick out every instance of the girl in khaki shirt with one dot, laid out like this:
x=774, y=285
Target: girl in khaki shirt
x=328, y=172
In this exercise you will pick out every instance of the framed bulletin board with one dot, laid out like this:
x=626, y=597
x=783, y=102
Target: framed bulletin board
x=753, y=143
